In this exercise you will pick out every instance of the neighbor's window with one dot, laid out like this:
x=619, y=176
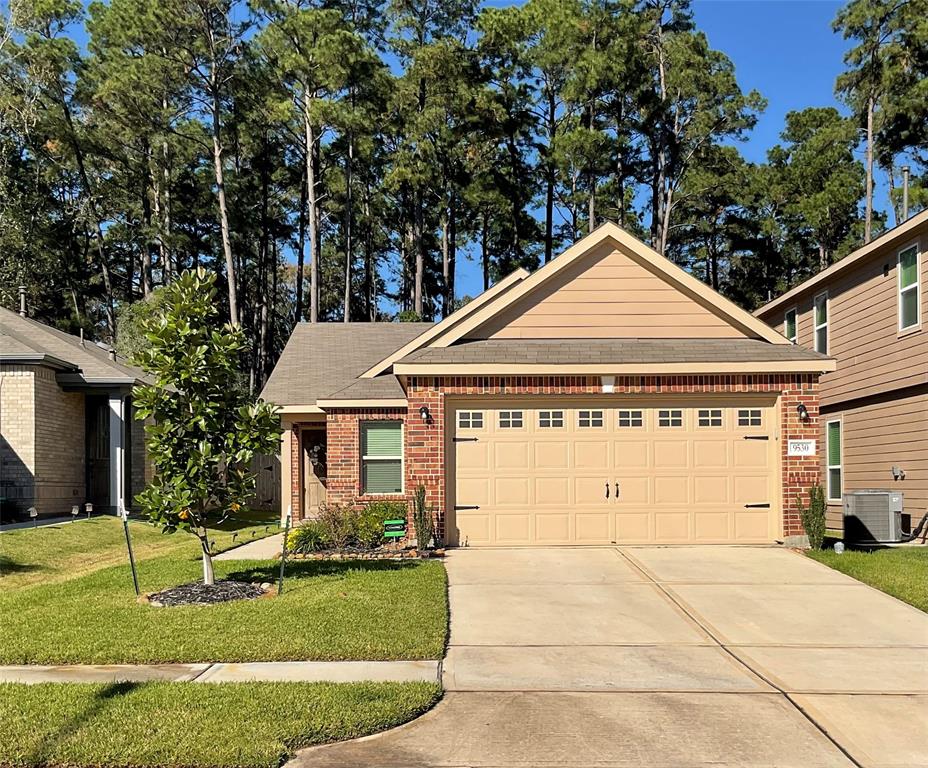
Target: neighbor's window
x=710, y=417
x=550, y=418
x=789, y=325
x=749, y=417
x=908, y=288
x=820, y=313
x=670, y=418
x=833, y=437
x=589, y=418
x=470, y=419
x=631, y=418
x=382, y=456
x=510, y=419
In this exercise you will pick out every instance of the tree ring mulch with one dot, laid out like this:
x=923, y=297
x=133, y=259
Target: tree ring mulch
x=197, y=593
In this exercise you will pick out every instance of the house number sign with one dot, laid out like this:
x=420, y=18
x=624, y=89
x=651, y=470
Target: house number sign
x=800, y=448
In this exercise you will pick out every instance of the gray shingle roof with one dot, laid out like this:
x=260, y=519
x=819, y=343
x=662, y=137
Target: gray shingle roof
x=611, y=351
x=26, y=340
x=324, y=360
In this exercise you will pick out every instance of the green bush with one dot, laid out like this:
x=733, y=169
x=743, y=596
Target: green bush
x=422, y=519
x=813, y=516
x=308, y=537
x=371, y=518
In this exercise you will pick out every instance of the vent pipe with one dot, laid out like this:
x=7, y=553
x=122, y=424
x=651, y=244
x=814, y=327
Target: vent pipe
x=22, y=301
x=905, y=192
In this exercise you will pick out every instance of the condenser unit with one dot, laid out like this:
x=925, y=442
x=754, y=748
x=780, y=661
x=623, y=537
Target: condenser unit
x=873, y=515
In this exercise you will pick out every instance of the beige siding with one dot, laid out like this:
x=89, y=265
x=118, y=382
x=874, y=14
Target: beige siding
x=878, y=436
x=17, y=437
x=609, y=295
x=59, y=445
x=873, y=357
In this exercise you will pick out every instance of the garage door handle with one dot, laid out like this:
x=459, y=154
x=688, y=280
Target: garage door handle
x=757, y=437
x=757, y=506
x=617, y=490
x=607, y=489
x=464, y=439
x=466, y=506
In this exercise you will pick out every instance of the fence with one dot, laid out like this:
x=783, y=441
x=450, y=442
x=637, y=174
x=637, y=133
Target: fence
x=267, y=482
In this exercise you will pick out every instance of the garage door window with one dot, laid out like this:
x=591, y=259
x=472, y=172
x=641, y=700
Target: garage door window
x=749, y=417
x=670, y=418
x=382, y=457
x=550, y=418
x=510, y=419
x=833, y=432
x=470, y=419
x=589, y=418
x=710, y=417
x=631, y=418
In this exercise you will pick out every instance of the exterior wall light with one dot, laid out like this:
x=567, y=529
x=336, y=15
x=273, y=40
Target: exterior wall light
x=425, y=414
x=803, y=412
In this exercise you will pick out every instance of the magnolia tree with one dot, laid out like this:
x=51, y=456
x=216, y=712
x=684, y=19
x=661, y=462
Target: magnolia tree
x=203, y=429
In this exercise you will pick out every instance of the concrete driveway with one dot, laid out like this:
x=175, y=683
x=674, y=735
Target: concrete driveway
x=676, y=656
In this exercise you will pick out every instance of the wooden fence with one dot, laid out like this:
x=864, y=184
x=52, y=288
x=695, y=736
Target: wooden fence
x=267, y=482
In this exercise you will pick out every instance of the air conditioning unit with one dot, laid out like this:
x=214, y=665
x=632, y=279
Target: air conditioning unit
x=873, y=515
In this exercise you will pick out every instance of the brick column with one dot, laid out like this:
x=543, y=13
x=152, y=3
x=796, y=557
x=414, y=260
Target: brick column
x=296, y=474
x=425, y=446
x=799, y=472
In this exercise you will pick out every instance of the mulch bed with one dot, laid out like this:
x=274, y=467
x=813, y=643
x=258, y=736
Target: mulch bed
x=197, y=593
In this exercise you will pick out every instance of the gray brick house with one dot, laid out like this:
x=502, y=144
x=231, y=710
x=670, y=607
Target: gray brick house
x=67, y=434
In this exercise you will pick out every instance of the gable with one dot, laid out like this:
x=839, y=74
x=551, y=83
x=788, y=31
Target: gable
x=612, y=292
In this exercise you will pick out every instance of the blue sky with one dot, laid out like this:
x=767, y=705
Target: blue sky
x=783, y=48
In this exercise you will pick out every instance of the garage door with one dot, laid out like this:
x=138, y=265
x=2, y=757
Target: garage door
x=527, y=473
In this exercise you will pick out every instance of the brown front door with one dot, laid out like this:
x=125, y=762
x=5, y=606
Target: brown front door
x=98, y=451
x=314, y=471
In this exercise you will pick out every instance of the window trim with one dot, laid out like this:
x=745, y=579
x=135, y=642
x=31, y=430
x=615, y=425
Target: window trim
x=916, y=287
x=749, y=411
x=510, y=419
x=364, y=458
x=826, y=325
x=632, y=415
x=710, y=417
x=552, y=418
x=840, y=466
x=795, y=312
x=470, y=424
x=670, y=418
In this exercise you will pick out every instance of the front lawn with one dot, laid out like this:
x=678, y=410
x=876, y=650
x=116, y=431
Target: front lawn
x=329, y=610
x=899, y=571
x=56, y=552
x=190, y=724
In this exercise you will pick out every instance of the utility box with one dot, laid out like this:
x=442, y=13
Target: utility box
x=873, y=515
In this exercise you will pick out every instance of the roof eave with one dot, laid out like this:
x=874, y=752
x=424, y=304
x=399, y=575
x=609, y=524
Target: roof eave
x=826, y=365
x=38, y=359
x=380, y=402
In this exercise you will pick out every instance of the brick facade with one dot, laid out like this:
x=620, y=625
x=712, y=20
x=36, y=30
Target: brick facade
x=425, y=445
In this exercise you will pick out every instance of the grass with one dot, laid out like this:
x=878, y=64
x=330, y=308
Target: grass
x=55, y=553
x=190, y=724
x=899, y=571
x=328, y=610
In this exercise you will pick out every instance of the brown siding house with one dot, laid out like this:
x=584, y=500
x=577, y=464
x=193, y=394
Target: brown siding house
x=868, y=311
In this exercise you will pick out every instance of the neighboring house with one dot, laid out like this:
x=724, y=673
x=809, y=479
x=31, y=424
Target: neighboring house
x=868, y=311
x=67, y=436
x=608, y=397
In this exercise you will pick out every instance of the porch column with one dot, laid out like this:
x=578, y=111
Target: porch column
x=117, y=408
x=296, y=473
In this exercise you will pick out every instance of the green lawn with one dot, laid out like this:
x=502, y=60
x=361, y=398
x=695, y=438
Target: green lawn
x=899, y=571
x=57, y=552
x=329, y=610
x=190, y=724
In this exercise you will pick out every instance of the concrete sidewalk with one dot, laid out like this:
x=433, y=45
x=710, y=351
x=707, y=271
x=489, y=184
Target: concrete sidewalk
x=261, y=549
x=265, y=671
x=653, y=657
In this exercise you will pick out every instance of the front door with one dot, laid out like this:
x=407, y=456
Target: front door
x=314, y=471
x=97, y=415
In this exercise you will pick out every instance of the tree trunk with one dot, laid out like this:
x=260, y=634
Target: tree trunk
x=591, y=176
x=868, y=215
x=419, y=299
x=223, y=211
x=484, y=251
x=822, y=257
x=164, y=221
x=452, y=250
x=149, y=192
x=312, y=208
x=349, y=245
x=550, y=176
x=301, y=245
x=370, y=302
x=208, y=578
x=444, y=263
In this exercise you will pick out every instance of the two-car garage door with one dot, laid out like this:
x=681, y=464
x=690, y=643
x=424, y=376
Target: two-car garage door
x=550, y=472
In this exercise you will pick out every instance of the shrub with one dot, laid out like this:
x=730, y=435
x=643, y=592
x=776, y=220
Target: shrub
x=337, y=522
x=813, y=516
x=422, y=519
x=308, y=537
x=370, y=522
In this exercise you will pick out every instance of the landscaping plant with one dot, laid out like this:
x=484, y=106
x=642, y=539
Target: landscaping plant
x=422, y=519
x=202, y=428
x=813, y=516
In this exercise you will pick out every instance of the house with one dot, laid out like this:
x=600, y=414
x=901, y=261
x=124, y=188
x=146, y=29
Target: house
x=868, y=312
x=67, y=435
x=607, y=397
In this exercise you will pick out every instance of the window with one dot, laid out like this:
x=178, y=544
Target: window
x=833, y=438
x=470, y=419
x=789, y=325
x=550, y=418
x=670, y=418
x=631, y=418
x=820, y=314
x=382, y=456
x=908, y=288
x=589, y=418
x=749, y=417
x=510, y=419
x=710, y=417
